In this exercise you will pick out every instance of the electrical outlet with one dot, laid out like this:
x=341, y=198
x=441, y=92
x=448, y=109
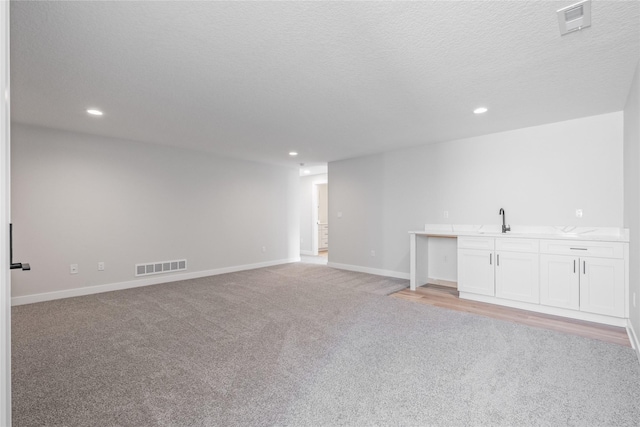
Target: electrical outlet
x=73, y=269
x=101, y=266
x=445, y=214
x=339, y=214
x=373, y=253
x=634, y=300
x=264, y=249
x=445, y=258
x=578, y=213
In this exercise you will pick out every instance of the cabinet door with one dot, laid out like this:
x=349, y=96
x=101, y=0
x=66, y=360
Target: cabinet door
x=323, y=236
x=475, y=271
x=560, y=281
x=602, y=286
x=517, y=276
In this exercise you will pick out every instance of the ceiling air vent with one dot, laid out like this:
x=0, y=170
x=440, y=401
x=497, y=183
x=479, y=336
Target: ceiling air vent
x=575, y=17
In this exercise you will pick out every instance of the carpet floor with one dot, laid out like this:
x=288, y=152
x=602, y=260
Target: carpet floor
x=303, y=345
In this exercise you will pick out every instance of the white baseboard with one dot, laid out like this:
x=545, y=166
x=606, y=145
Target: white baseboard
x=309, y=253
x=376, y=271
x=556, y=311
x=77, y=292
x=633, y=337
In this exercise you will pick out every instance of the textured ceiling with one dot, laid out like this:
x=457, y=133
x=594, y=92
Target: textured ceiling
x=331, y=80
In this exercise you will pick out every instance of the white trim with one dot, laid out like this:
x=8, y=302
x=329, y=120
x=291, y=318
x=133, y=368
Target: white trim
x=556, y=311
x=376, y=271
x=309, y=253
x=5, y=217
x=314, y=219
x=635, y=343
x=314, y=214
x=77, y=292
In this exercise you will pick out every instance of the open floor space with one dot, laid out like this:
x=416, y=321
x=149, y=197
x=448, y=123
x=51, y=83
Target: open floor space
x=303, y=344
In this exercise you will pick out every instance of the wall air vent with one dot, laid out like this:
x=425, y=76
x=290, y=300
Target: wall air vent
x=575, y=17
x=161, y=267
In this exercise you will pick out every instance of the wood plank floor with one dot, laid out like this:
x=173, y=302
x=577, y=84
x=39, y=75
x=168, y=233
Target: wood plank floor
x=447, y=297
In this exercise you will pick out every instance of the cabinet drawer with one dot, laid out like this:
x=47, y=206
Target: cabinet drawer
x=518, y=245
x=466, y=242
x=581, y=248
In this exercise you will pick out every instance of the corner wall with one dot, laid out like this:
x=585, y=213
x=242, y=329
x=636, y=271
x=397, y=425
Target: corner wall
x=539, y=175
x=81, y=199
x=632, y=198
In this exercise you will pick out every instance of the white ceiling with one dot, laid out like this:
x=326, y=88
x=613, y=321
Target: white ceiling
x=331, y=80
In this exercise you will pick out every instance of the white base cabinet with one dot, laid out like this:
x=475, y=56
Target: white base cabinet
x=574, y=276
x=592, y=284
x=504, y=268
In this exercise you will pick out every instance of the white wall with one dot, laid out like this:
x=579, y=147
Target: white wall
x=539, y=175
x=632, y=194
x=83, y=199
x=306, y=210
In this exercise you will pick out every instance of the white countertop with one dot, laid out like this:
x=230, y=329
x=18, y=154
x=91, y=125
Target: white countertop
x=603, y=234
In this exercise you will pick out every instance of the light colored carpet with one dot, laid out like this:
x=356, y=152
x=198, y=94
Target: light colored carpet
x=304, y=345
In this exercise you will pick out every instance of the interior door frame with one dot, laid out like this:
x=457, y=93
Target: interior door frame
x=5, y=218
x=314, y=214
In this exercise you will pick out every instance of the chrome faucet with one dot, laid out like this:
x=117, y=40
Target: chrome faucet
x=505, y=227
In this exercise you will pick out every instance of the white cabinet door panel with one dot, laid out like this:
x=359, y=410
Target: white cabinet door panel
x=602, y=286
x=475, y=271
x=559, y=281
x=517, y=276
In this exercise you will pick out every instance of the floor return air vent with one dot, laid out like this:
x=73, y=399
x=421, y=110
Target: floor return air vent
x=161, y=267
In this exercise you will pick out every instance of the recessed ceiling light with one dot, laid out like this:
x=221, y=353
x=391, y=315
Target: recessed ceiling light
x=306, y=171
x=293, y=153
x=480, y=110
x=94, y=112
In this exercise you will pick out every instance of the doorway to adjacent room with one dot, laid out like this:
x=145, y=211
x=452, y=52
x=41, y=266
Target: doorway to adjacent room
x=322, y=222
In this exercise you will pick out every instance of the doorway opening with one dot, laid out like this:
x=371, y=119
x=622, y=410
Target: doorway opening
x=322, y=221
x=314, y=213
